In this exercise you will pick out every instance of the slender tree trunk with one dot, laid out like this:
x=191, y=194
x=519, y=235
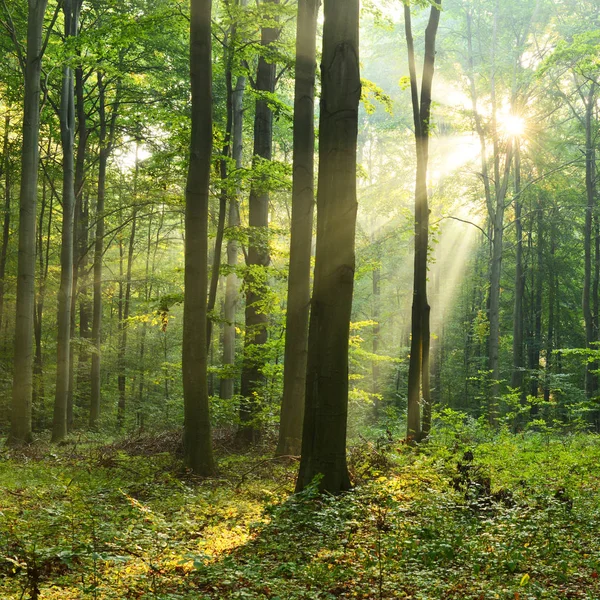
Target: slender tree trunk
x=518, y=358
x=537, y=306
x=97, y=292
x=303, y=200
x=326, y=409
x=67, y=134
x=20, y=425
x=197, y=434
x=376, y=311
x=223, y=196
x=43, y=253
x=258, y=247
x=232, y=282
x=551, y=316
x=418, y=370
x=6, y=218
x=124, y=321
x=80, y=262
x=107, y=132
x=590, y=181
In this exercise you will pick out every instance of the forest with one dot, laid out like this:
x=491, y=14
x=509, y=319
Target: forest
x=299, y=299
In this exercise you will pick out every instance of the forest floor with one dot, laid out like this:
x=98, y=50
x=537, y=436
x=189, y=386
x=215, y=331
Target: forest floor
x=521, y=520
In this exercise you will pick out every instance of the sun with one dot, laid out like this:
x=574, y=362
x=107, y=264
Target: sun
x=512, y=125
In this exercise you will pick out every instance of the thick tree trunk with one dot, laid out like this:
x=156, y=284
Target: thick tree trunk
x=258, y=247
x=67, y=134
x=197, y=433
x=20, y=425
x=418, y=370
x=303, y=200
x=326, y=409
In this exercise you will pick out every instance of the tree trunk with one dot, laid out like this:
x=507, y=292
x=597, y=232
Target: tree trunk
x=326, y=409
x=590, y=185
x=418, y=370
x=223, y=197
x=43, y=253
x=20, y=425
x=303, y=200
x=107, y=132
x=233, y=218
x=67, y=134
x=518, y=358
x=197, y=434
x=6, y=219
x=124, y=321
x=258, y=247
x=80, y=261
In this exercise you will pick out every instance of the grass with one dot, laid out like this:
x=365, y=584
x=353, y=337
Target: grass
x=124, y=520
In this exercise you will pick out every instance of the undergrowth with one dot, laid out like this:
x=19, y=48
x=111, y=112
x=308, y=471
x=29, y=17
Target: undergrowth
x=513, y=516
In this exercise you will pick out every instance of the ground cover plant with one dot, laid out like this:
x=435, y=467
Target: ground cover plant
x=476, y=517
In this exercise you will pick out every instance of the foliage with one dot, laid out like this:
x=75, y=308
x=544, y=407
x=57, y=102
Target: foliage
x=123, y=520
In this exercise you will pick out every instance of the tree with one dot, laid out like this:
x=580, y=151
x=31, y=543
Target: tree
x=326, y=410
x=197, y=431
x=67, y=133
x=258, y=246
x=298, y=299
x=20, y=430
x=418, y=373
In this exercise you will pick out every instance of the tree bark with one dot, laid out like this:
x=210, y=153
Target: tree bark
x=124, y=321
x=326, y=409
x=518, y=358
x=197, y=430
x=590, y=185
x=20, y=425
x=67, y=134
x=6, y=218
x=258, y=246
x=80, y=262
x=107, y=132
x=303, y=200
x=418, y=370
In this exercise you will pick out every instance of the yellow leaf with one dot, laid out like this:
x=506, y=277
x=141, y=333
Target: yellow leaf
x=524, y=579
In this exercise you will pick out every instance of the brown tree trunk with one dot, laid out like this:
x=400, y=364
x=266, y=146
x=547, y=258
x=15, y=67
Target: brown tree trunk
x=107, y=132
x=197, y=430
x=258, y=247
x=591, y=383
x=6, y=218
x=418, y=370
x=20, y=425
x=80, y=261
x=233, y=219
x=303, y=200
x=223, y=196
x=326, y=409
x=518, y=358
x=124, y=321
x=67, y=134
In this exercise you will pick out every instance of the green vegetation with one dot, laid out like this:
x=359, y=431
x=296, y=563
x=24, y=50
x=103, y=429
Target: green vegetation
x=125, y=520
x=299, y=299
